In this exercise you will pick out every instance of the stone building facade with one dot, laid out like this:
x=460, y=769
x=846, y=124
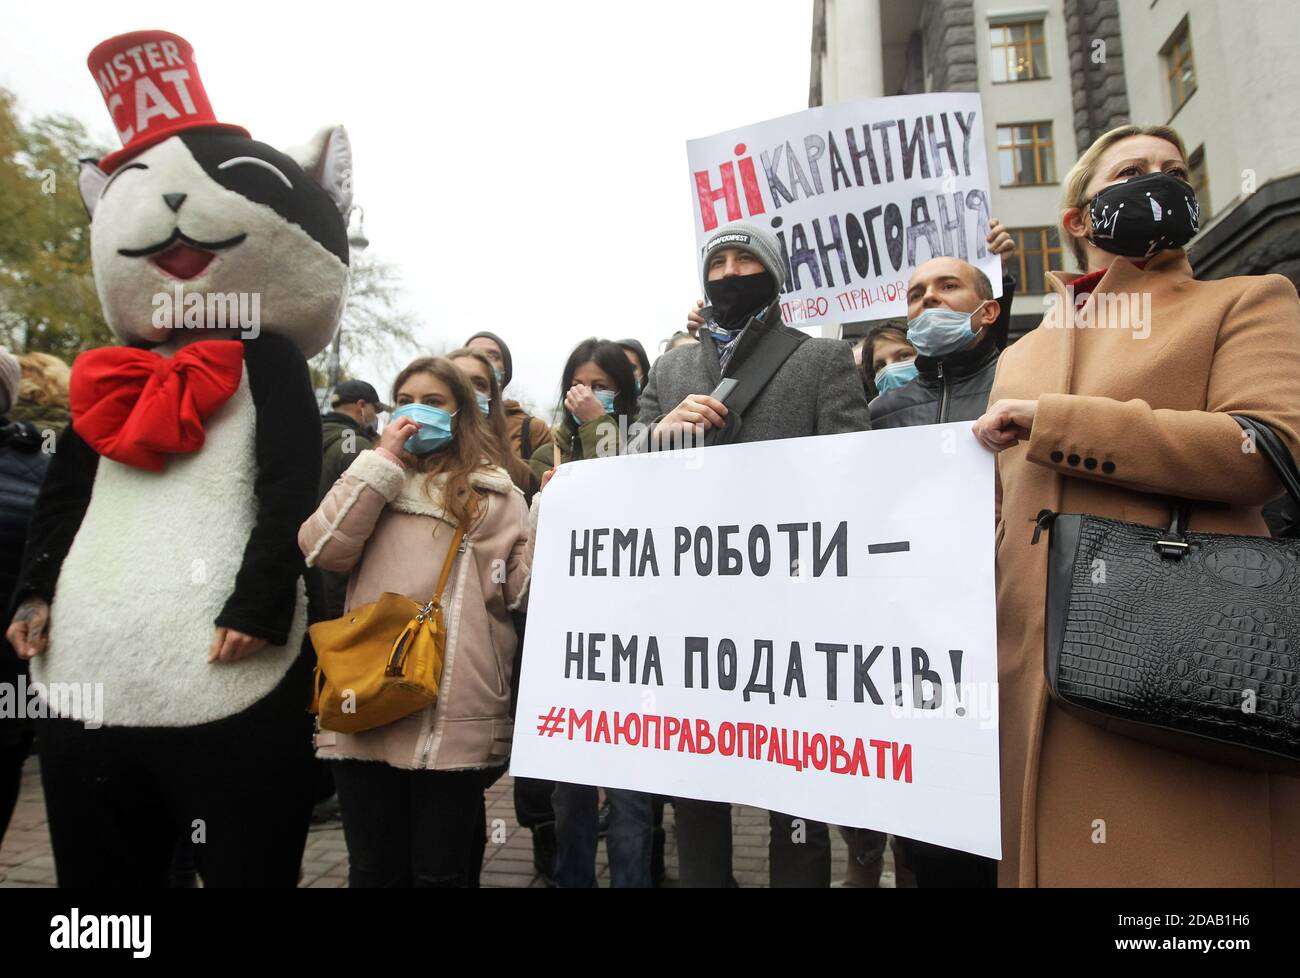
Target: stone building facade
x=1225, y=75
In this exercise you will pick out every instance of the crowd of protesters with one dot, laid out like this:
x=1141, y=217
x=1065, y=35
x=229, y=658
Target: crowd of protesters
x=1080, y=421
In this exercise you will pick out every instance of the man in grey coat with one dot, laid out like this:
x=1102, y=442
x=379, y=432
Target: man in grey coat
x=816, y=391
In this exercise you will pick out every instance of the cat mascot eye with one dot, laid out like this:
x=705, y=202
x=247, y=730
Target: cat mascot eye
x=254, y=161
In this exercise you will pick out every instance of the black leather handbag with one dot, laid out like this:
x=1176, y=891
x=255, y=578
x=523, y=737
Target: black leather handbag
x=1190, y=641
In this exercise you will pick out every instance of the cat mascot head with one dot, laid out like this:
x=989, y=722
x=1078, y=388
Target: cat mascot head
x=191, y=206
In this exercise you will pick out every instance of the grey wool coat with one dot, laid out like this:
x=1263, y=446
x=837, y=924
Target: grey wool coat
x=816, y=392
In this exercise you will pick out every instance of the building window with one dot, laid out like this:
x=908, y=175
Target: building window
x=1026, y=154
x=1196, y=177
x=1038, y=251
x=1017, y=52
x=1180, y=70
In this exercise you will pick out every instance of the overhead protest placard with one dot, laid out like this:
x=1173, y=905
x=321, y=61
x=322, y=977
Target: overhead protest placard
x=816, y=638
x=858, y=194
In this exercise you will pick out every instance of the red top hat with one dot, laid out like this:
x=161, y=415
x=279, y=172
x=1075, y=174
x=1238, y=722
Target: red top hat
x=152, y=87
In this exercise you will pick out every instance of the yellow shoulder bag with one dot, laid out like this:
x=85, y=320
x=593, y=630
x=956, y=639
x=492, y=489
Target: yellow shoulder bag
x=366, y=678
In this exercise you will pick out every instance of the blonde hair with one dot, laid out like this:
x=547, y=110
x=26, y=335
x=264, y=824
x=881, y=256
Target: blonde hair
x=45, y=380
x=1081, y=174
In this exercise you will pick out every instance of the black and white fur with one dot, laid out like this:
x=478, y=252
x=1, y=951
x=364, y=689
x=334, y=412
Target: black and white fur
x=289, y=210
x=162, y=558
x=142, y=567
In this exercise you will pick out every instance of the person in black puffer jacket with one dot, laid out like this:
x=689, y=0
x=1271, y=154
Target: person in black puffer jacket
x=955, y=363
x=22, y=470
x=951, y=384
x=953, y=387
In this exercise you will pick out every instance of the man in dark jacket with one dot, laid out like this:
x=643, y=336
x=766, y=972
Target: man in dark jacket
x=348, y=430
x=953, y=322
x=22, y=470
x=816, y=391
x=955, y=361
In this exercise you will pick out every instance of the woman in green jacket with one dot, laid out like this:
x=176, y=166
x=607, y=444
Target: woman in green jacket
x=598, y=388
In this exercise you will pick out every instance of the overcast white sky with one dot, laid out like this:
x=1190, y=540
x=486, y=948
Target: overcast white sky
x=522, y=163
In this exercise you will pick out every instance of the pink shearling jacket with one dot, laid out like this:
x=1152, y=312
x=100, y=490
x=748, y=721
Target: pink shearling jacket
x=386, y=525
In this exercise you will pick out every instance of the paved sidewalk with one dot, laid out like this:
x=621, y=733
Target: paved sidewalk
x=25, y=858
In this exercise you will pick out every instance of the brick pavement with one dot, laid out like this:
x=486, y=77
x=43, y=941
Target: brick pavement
x=25, y=858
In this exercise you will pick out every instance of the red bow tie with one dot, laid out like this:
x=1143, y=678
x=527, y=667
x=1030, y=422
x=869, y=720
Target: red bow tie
x=137, y=407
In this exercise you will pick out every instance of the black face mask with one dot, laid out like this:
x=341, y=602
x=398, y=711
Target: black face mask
x=738, y=297
x=1144, y=215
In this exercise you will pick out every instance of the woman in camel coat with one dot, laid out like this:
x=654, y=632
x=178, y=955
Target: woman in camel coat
x=1112, y=420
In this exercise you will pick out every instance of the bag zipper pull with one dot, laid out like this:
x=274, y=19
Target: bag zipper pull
x=1043, y=521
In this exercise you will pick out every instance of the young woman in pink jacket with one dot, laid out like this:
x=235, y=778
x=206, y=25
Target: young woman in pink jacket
x=411, y=792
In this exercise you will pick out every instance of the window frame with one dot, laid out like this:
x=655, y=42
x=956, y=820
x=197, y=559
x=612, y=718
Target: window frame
x=995, y=48
x=1038, y=146
x=1176, y=54
x=1045, y=250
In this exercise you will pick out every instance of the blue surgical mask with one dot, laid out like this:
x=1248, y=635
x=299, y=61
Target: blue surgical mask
x=939, y=332
x=435, y=427
x=895, y=375
x=606, y=399
x=484, y=402
x=501, y=376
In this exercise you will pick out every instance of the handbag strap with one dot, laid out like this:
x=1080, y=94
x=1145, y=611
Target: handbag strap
x=1264, y=440
x=402, y=645
x=457, y=545
x=1271, y=446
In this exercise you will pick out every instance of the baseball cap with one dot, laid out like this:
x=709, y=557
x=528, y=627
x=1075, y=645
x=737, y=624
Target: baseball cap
x=351, y=391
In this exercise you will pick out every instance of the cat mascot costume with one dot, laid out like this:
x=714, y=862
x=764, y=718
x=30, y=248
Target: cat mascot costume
x=164, y=545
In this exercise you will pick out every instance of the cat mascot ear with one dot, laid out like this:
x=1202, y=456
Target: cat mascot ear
x=327, y=159
x=91, y=180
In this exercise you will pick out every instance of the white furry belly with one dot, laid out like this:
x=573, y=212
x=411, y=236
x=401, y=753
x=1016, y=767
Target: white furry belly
x=149, y=571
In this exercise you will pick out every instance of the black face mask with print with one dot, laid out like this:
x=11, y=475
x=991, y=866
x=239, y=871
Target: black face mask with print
x=1144, y=215
x=738, y=297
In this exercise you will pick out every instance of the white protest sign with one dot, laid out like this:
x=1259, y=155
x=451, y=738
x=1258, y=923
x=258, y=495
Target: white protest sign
x=858, y=194
x=805, y=625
